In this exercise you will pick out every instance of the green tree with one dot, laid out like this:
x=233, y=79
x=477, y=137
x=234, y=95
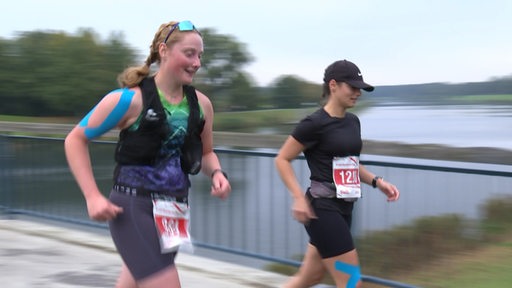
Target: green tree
x=49, y=73
x=290, y=91
x=55, y=74
x=222, y=68
x=241, y=95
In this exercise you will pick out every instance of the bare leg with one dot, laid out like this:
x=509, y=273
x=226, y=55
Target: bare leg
x=167, y=278
x=125, y=279
x=310, y=273
x=340, y=277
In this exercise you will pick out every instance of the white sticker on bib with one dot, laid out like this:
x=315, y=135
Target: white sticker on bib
x=172, y=223
x=345, y=176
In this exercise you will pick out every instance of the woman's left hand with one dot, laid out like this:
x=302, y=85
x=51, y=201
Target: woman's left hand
x=220, y=186
x=389, y=189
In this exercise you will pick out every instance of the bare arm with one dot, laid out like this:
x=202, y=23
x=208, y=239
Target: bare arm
x=210, y=164
x=289, y=151
x=100, y=120
x=387, y=188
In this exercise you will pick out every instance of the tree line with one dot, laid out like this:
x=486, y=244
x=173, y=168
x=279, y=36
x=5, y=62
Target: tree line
x=49, y=73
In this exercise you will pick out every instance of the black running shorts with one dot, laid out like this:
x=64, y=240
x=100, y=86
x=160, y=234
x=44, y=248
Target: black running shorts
x=135, y=236
x=330, y=231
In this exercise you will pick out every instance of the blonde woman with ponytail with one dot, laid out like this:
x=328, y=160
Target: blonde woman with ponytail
x=151, y=171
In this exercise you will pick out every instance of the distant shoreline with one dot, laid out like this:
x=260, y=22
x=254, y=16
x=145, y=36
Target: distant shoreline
x=273, y=141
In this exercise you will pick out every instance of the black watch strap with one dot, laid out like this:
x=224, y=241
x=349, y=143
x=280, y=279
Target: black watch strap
x=374, y=181
x=219, y=170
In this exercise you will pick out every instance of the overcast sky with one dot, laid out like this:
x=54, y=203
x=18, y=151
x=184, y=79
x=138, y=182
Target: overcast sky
x=392, y=41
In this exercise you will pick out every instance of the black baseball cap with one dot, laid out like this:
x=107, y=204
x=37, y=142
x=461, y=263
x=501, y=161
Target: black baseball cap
x=346, y=71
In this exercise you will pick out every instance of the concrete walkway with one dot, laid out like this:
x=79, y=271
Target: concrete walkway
x=40, y=254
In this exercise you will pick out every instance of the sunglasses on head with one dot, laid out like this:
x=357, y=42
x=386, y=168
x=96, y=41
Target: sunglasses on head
x=183, y=26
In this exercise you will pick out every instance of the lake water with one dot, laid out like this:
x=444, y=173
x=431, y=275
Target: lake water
x=452, y=125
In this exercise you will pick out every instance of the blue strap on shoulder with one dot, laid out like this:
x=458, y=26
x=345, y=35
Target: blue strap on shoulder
x=352, y=270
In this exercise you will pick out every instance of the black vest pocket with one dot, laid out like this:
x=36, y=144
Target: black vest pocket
x=142, y=146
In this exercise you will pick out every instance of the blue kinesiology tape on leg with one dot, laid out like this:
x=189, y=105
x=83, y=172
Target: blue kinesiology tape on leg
x=112, y=119
x=353, y=270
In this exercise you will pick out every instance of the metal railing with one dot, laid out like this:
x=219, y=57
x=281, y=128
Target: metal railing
x=256, y=220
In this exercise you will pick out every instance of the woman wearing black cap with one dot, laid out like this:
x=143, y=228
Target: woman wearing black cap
x=330, y=139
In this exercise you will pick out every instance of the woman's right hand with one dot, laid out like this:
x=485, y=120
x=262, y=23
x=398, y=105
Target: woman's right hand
x=101, y=209
x=302, y=210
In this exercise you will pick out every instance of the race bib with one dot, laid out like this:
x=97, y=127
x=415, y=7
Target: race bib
x=171, y=222
x=345, y=174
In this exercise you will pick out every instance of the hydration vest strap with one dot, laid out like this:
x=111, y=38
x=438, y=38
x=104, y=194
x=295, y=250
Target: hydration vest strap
x=193, y=104
x=150, y=96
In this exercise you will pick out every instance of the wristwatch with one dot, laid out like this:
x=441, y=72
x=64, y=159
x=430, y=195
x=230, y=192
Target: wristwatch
x=219, y=170
x=374, y=181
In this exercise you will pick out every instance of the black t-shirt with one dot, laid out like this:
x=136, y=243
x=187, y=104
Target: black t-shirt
x=326, y=137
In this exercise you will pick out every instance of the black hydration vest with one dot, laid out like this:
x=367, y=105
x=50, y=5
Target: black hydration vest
x=142, y=146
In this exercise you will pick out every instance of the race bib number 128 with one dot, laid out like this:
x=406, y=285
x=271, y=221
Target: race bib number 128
x=345, y=172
